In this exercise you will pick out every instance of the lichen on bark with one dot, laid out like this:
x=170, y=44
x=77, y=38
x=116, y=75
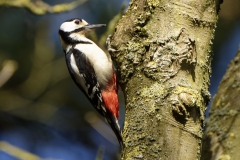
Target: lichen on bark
x=163, y=59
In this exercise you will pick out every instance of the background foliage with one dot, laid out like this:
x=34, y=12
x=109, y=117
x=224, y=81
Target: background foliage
x=42, y=113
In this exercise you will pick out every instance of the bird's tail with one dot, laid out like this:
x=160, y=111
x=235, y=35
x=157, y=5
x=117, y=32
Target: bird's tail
x=113, y=122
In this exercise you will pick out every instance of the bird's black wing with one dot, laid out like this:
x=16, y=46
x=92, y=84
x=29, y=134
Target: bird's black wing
x=85, y=78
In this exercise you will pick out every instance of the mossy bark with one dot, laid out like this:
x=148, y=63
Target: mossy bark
x=221, y=140
x=164, y=66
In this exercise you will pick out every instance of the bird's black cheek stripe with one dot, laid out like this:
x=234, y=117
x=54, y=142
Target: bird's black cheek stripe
x=68, y=40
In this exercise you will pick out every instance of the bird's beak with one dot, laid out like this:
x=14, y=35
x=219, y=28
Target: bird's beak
x=93, y=26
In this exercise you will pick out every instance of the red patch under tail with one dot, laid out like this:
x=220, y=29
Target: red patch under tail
x=110, y=97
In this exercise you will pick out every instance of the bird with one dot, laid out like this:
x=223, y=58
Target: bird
x=92, y=70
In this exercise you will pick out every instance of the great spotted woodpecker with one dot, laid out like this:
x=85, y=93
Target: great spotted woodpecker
x=92, y=70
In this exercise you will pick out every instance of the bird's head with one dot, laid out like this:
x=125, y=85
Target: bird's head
x=74, y=30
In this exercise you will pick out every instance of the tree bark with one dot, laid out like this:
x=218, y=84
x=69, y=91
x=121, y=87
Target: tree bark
x=163, y=60
x=221, y=140
x=164, y=65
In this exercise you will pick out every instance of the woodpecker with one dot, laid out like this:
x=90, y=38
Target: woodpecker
x=92, y=70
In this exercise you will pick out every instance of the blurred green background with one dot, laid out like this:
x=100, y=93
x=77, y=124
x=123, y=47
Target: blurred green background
x=43, y=115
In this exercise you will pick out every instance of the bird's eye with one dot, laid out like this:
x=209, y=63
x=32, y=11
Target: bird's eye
x=76, y=22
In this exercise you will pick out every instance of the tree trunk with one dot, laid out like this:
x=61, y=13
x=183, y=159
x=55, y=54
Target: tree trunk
x=164, y=66
x=221, y=140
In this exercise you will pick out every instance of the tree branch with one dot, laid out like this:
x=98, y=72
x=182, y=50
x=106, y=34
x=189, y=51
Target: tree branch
x=39, y=7
x=221, y=137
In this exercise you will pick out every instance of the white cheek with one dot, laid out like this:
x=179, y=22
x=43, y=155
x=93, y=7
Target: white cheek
x=69, y=26
x=76, y=36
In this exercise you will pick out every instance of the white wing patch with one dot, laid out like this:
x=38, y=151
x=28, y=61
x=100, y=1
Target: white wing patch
x=78, y=75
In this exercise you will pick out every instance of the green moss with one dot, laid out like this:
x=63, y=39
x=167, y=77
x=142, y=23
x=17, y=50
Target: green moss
x=153, y=3
x=159, y=117
x=225, y=157
x=135, y=153
x=155, y=90
x=208, y=3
